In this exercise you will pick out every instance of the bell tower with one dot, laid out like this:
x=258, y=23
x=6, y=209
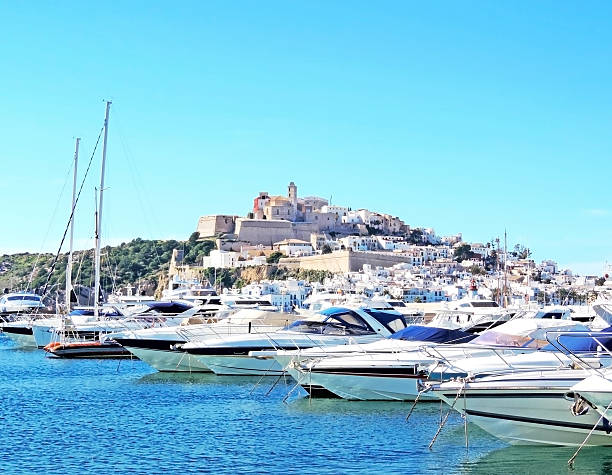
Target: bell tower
x=292, y=194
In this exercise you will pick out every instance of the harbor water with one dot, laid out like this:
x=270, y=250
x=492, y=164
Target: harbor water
x=120, y=416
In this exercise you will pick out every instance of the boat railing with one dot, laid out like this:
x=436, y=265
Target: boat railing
x=8, y=317
x=573, y=354
x=587, y=360
x=222, y=330
x=469, y=352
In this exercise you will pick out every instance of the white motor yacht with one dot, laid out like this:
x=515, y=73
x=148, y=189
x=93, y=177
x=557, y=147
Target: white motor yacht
x=526, y=408
x=477, y=314
x=332, y=326
x=20, y=302
x=392, y=371
x=560, y=406
x=161, y=347
x=560, y=353
x=318, y=370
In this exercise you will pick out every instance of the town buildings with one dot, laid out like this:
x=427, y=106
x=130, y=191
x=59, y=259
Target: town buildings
x=374, y=253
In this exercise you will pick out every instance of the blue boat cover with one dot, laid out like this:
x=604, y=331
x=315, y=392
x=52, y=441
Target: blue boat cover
x=432, y=334
x=581, y=343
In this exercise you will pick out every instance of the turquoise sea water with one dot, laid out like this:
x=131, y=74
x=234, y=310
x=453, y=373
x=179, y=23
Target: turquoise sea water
x=111, y=416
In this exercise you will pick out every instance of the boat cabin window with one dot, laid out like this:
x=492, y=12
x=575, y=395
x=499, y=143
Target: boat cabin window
x=25, y=297
x=391, y=319
x=344, y=323
x=553, y=315
x=397, y=304
x=251, y=302
x=484, y=304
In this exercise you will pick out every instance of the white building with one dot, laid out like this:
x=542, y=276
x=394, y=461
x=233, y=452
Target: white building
x=360, y=243
x=480, y=249
x=285, y=295
x=339, y=210
x=294, y=247
x=221, y=259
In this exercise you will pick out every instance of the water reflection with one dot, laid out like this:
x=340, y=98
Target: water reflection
x=343, y=406
x=196, y=378
x=540, y=459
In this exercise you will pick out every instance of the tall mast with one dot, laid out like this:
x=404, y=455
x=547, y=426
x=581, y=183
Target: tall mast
x=505, y=269
x=99, y=217
x=69, y=265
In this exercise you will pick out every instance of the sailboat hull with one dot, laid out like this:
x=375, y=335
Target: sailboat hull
x=93, y=349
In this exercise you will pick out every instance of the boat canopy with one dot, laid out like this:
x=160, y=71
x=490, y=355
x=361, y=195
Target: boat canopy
x=527, y=333
x=580, y=343
x=432, y=334
x=160, y=307
x=333, y=321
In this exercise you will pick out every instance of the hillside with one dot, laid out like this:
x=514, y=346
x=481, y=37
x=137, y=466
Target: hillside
x=142, y=262
x=138, y=260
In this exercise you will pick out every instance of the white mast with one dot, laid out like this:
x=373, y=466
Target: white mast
x=69, y=265
x=505, y=269
x=99, y=217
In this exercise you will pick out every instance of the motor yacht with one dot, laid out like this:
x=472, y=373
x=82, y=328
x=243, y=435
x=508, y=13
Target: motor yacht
x=191, y=290
x=318, y=370
x=567, y=405
x=20, y=302
x=391, y=371
x=332, y=326
x=161, y=347
x=529, y=407
x=560, y=353
x=477, y=314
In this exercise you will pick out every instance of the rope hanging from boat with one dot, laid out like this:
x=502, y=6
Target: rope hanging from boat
x=443, y=422
x=570, y=462
x=71, y=215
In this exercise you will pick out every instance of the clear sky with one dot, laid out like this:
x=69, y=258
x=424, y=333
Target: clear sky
x=463, y=116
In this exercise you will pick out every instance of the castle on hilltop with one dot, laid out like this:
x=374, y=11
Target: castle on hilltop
x=290, y=207
x=276, y=218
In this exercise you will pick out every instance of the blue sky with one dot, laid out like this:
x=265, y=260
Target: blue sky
x=469, y=117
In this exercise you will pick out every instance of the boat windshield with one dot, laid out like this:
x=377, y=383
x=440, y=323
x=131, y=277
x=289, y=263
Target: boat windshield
x=25, y=297
x=391, y=319
x=484, y=303
x=345, y=322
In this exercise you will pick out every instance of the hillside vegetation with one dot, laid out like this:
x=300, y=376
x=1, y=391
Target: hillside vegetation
x=138, y=260
x=142, y=262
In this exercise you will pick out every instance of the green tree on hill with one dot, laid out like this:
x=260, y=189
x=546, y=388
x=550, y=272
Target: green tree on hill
x=274, y=257
x=463, y=252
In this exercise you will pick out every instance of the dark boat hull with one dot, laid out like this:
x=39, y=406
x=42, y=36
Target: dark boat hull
x=93, y=349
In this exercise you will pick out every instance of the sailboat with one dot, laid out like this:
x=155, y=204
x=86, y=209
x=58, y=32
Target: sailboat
x=98, y=346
